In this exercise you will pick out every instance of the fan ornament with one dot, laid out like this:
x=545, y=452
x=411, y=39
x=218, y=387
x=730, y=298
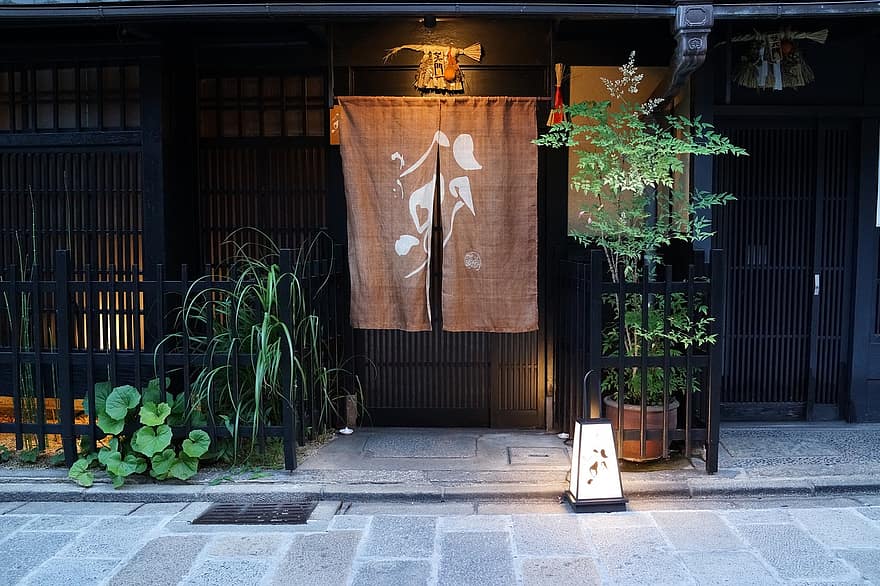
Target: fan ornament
x=439, y=70
x=774, y=60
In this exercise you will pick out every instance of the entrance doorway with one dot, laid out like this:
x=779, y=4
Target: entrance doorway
x=789, y=244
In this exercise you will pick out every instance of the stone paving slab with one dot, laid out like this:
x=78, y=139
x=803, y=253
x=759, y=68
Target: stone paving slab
x=164, y=560
x=697, y=531
x=158, y=509
x=549, y=535
x=618, y=547
x=111, y=538
x=773, y=542
x=839, y=528
x=451, y=444
x=561, y=570
x=61, y=523
x=227, y=572
x=794, y=554
x=322, y=558
x=393, y=536
x=865, y=561
x=24, y=551
x=393, y=573
x=462, y=553
x=10, y=506
x=74, y=571
x=729, y=567
x=76, y=508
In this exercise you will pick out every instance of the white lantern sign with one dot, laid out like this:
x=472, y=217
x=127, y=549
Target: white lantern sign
x=595, y=484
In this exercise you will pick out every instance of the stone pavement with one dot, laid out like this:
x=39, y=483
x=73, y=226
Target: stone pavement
x=743, y=541
x=437, y=465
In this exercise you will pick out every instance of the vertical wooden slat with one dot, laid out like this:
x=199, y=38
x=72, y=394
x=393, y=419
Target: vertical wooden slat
x=62, y=365
x=15, y=334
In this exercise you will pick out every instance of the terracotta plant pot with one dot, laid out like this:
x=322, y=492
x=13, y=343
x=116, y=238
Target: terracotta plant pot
x=632, y=418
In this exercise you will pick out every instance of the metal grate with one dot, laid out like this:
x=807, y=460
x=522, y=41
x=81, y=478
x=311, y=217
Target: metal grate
x=257, y=514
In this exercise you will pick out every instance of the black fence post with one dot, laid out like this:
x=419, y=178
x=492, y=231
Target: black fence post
x=594, y=323
x=716, y=357
x=62, y=365
x=288, y=412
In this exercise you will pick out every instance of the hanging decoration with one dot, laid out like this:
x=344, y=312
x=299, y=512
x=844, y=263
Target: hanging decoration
x=557, y=114
x=439, y=71
x=774, y=60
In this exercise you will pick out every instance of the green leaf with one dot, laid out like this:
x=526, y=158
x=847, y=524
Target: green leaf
x=162, y=462
x=121, y=400
x=153, y=394
x=4, y=453
x=230, y=427
x=185, y=467
x=158, y=476
x=79, y=472
x=131, y=464
x=153, y=414
x=109, y=425
x=29, y=456
x=178, y=407
x=102, y=391
x=197, y=444
x=118, y=481
x=104, y=454
x=149, y=440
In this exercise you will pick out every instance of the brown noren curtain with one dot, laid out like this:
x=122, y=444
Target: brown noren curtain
x=397, y=153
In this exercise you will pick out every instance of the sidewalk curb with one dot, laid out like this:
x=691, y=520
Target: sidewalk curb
x=54, y=490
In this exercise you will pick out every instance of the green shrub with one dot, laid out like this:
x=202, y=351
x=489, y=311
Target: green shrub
x=138, y=425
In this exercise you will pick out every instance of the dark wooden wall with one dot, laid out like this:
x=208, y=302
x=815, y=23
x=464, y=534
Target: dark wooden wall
x=818, y=363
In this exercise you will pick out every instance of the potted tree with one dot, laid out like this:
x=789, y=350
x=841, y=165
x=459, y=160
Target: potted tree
x=631, y=159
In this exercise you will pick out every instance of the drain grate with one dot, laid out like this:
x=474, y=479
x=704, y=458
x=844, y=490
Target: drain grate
x=257, y=514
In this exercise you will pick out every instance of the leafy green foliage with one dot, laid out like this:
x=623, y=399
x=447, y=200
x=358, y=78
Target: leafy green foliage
x=197, y=444
x=153, y=392
x=140, y=437
x=629, y=164
x=5, y=453
x=109, y=425
x=185, y=467
x=630, y=161
x=121, y=400
x=153, y=414
x=162, y=462
x=150, y=440
x=30, y=456
x=246, y=315
x=80, y=473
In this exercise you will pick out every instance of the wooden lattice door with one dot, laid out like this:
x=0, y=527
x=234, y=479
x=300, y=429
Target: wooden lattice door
x=790, y=257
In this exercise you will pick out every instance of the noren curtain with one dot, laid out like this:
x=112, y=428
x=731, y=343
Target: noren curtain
x=465, y=165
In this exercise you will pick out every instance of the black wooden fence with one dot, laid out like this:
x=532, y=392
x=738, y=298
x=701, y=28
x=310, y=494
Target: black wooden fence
x=60, y=337
x=585, y=316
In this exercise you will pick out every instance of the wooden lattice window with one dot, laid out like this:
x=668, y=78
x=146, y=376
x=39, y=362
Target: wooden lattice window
x=69, y=98
x=262, y=106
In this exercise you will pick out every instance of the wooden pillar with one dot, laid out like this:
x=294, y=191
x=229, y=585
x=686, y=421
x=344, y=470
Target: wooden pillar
x=152, y=129
x=864, y=399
